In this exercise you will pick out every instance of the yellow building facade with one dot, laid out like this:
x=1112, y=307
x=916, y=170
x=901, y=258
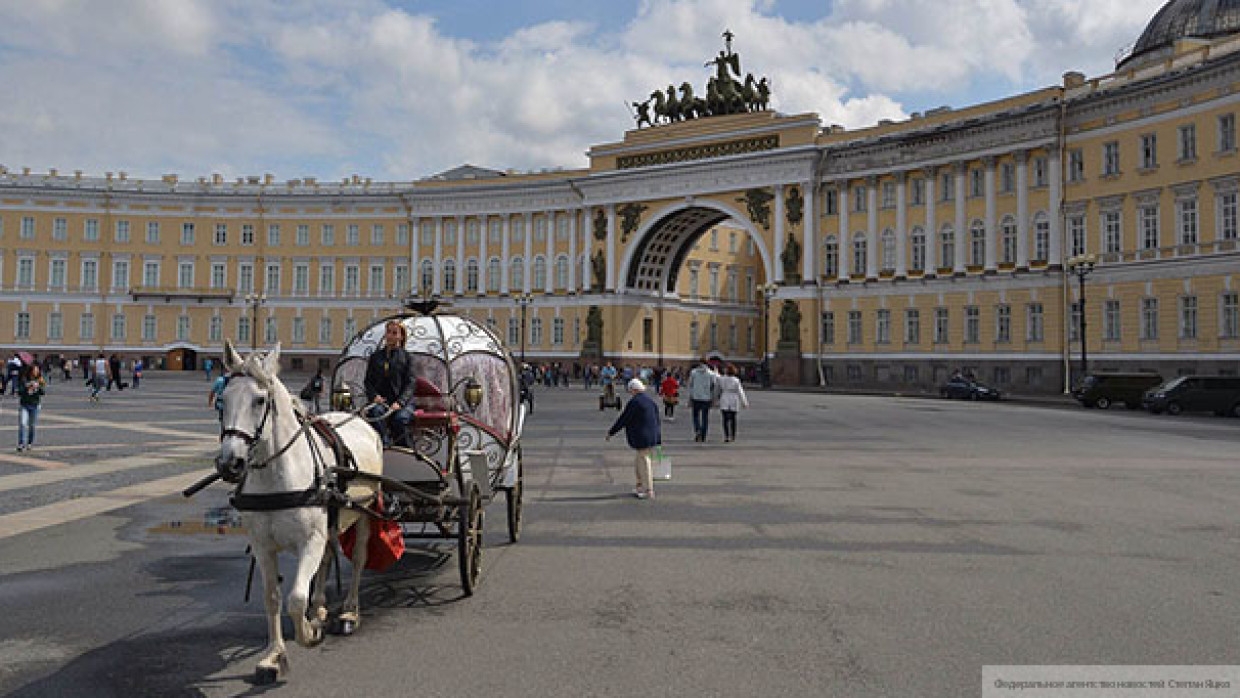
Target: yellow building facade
x=883, y=257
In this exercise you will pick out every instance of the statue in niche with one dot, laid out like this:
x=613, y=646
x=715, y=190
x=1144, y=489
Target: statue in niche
x=630, y=216
x=594, y=326
x=758, y=203
x=790, y=323
x=791, y=259
x=600, y=225
x=795, y=205
x=598, y=263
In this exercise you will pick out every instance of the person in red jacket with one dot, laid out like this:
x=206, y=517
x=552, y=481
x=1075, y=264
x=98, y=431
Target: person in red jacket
x=670, y=390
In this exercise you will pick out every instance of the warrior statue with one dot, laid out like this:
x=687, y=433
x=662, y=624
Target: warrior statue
x=790, y=323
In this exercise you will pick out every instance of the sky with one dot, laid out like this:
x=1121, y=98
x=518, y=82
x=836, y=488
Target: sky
x=399, y=90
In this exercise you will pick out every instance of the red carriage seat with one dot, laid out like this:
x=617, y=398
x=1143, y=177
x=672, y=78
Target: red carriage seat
x=431, y=406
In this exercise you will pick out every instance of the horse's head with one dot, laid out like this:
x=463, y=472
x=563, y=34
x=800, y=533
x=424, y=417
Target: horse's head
x=252, y=400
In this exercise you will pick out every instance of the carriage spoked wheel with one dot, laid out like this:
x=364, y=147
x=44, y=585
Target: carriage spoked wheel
x=514, y=495
x=469, y=540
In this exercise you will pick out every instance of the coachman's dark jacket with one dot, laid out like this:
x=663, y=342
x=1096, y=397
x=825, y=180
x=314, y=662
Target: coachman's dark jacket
x=389, y=372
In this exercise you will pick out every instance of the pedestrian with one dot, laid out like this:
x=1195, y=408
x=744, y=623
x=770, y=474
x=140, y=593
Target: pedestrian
x=66, y=367
x=30, y=394
x=11, y=373
x=114, y=372
x=670, y=390
x=640, y=421
x=99, y=376
x=703, y=387
x=207, y=365
x=215, y=397
x=137, y=373
x=313, y=391
x=390, y=383
x=731, y=398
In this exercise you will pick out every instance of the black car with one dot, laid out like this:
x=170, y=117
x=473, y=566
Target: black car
x=966, y=389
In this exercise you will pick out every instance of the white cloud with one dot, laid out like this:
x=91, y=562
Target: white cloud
x=328, y=89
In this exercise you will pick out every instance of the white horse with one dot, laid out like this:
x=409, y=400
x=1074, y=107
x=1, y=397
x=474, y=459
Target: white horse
x=282, y=465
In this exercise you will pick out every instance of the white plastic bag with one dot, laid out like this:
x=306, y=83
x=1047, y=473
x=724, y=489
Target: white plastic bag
x=661, y=466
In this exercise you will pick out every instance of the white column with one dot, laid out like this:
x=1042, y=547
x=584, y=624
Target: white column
x=610, y=279
x=438, y=268
x=460, y=255
x=844, y=247
x=526, y=262
x=1022, y=210
x=901, y=226
x=809, y=248
x=484, y=231
x=780, y=232
x=505, y=254
x=1055, y=248
x=550, y=266
x=415, y=254
x=961, y=221
x=572, y=250
x=988, y=178
x=932, y=235
x=587, y=237
x=871, y=228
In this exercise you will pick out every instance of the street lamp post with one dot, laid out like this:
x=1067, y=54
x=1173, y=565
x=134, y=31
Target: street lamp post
x=523, y=300
x=1082, y=265
x=254, y=300
x=768, y=291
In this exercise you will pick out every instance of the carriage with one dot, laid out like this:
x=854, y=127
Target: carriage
x=465, y=438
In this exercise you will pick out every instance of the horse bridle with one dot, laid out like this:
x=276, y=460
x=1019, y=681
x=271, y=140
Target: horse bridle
x=251, y=440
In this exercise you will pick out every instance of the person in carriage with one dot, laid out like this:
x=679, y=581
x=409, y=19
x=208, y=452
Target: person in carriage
x=390, y=384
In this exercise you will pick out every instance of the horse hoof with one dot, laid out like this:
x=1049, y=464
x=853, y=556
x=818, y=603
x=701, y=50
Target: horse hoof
x=266, y=675
x=316, y=637
x=344, y=627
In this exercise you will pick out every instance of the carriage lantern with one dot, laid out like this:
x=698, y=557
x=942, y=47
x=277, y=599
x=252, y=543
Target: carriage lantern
x=473, y=394
x=342, y=399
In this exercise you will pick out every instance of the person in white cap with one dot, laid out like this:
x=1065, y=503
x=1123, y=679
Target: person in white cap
x=640, y=421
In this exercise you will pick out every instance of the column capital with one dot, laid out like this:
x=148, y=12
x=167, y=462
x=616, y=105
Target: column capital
x=1022, y=156
x=989, y=162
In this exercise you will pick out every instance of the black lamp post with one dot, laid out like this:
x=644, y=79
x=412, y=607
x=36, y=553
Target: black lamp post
x=1082, y=265
x=768, y=292
x=254, y=300
x=523, y=300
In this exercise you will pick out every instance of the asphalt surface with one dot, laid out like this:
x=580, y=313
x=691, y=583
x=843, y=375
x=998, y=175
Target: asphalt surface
x=845, y=545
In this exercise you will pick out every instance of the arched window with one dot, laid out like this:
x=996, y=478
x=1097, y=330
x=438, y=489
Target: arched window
x=889, y=250
x=561, y=272
x=1041, y=237
x=918, y=239
x=859, y=251
x=516, y=275
x=947, y=246
x=540, y=272
x=977, y=244
x=831, y=258
x=427, y=274
x=493, y=275
x=1007, y=231
x=449, y=276
x=471, y=275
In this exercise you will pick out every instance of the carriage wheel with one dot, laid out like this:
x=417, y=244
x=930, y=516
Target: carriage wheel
x=469, y=540
x=514, y=495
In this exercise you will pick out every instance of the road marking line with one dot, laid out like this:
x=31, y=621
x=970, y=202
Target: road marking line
x=33, y=462
x=84, y=507
x=102, y=467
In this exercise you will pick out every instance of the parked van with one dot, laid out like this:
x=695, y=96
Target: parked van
x=1102, y=390
x=1217, y=394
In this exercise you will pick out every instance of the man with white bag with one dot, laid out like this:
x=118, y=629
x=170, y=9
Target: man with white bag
x=640, y=421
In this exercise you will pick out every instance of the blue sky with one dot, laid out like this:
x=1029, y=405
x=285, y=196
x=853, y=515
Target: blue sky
x=398, y=90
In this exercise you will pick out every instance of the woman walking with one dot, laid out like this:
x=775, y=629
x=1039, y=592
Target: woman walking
x=731, y=399
x=670, y=390
x=30, y=393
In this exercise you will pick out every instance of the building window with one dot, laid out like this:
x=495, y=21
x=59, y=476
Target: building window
x=1039, y=171
x=1227, y=133
x=402, y=234
x=21, y=328
x=352, y=235
x=854, y=327
x=1076, y=165
x=352, y=279
x=325, y=330
x=694, y=331
x=27, y=229
x=272, y=334
x=471, y=276
x=185, y=275
x=976, y=183
x=1007, y=178
x=1188, y=317
x=977, y=244
x=830, y=202
x=187, y=233
x=327, y=279
x=494, y=274
x=1112, y=232
x=918, y=238
x=183, y=328
x=400, y=280
x=152, y=232
x=428, y=233
x=60, y=229
x=882, y=326
x=150, y=329
x=55, y=326
x=1188, y=143
x=428, y=275
x=302, y=236
x=91, y=231
x=1229, y=309
x=889, y=195
x=1226, y=216
x=375, y=287
x=90, y=274
x=1074, y=322
x=1076, y=235
x=327, y=235
x=86, y=326
x=859, y=262
x=1149, y=151
x=150, y=274
x=1003, y=324
x=299, y=330
x=247, y=234
x=557, y=333
x=1111, y=320
x=1007, y=235
x=301, y=278
x=1148, y=228
x=889, y=250
x=58, y=273
x=732, y=242
x=941, y=326
x=540, y=272
x=350, y=327
x=831, y=258
x=1110, y=159
x=972, y=324
x=859, y=194
x=561, y=273
x=218, y=275
x=516, y=275
x=1035, y=331
x=918, y=191
x=1186, y=213
x=1041, y=237
x=120, y=275
x=947, y=246
x=1149, y=318
x=449, y=276
x=912, y=326
x=273, y=280
x=514, y=331
x=376, y=234
x=122, y=231
x=221, y=234
x=948, y=185
x=828, y=327
x=215, y=329
x=243, y=329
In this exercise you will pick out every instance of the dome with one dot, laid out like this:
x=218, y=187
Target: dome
x=1181, y=19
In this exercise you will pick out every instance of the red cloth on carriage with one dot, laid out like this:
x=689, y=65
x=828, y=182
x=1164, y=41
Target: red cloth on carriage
x=385, y=546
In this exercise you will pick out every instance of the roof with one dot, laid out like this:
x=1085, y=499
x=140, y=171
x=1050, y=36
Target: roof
x=1182, y=19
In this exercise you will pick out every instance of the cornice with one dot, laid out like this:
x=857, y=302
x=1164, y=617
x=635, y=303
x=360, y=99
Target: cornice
x=1170, y=86
x=701, y=178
